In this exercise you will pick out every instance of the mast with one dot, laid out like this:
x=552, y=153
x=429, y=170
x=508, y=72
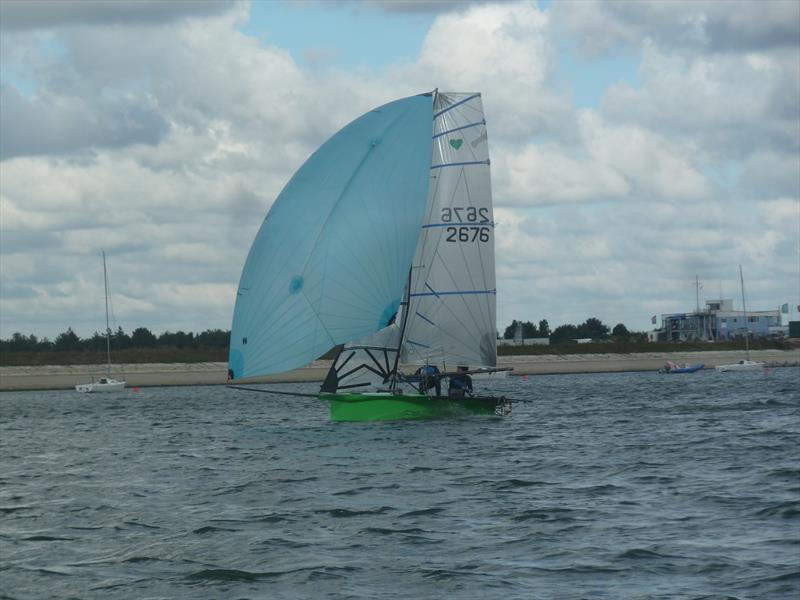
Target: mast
x=404, y=306
x=108, y=329
x=744, y=308
x=697, y=291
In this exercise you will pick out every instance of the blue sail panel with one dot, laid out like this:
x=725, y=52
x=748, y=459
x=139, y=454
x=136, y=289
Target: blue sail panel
x=331, y=259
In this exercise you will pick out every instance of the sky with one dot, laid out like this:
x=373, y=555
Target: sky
x=635, y=146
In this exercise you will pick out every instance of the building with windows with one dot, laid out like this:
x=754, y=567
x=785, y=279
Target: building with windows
x=718, y=322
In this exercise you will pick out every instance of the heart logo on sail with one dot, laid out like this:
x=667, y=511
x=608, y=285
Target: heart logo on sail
x=456, y=143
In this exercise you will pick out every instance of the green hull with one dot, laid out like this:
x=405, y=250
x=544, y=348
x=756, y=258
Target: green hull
x=397, y=407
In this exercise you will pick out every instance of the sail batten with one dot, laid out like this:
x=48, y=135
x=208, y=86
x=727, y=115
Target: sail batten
x=467, y=126
x=454, y=105
x=461, y=164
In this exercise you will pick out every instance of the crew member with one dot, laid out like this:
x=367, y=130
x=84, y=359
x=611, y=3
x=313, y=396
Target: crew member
x=460, y=384
x=429, y=378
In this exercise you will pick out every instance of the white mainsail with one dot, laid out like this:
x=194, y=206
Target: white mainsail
x=451, y=318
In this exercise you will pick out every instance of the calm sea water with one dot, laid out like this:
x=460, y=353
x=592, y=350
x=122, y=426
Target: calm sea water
x=602, y=486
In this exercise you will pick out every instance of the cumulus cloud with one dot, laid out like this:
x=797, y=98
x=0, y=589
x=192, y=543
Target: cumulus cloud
x=503, y=50
x=64, y=125
x=164, y=136
x=737, y=26
x=417, y=6
x=16, y=15
x=546, y=174
x=731, y=104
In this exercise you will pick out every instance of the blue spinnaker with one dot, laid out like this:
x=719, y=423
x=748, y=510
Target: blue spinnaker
x=332, y=257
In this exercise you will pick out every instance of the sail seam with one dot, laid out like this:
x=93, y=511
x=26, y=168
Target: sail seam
x=461, y=164
x=452, y=106
x=483, y=122
x=453, y=293
x=424, y=318
x=418, y=344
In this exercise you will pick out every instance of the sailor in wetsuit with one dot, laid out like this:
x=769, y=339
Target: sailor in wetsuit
x=461, y=384
x=429, y=379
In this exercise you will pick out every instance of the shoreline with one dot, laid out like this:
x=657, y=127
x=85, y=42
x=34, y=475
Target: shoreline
x=182, y=374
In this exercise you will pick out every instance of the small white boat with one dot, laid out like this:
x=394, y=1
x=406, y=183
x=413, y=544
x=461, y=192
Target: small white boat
x=742, y=365
x=104, y=384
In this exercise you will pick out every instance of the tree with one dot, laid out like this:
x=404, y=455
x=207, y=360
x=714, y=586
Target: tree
x=544, y=328
x=96, y=342
x=19, y=342
x=593, y=328
x=529, y=330
x=564, y=333
x=214, y=338
x=179, y=339
x=637, y=336
x=510, y=330
x=620, y=332
x=120, y=339
x=68, y=340
x=142, y=337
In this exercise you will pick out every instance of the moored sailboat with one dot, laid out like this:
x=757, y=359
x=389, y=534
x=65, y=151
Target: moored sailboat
x=744, y=364
x=382, y=244
x=107, y=383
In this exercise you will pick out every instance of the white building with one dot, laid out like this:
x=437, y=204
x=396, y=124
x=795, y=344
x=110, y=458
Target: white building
x=719, y=321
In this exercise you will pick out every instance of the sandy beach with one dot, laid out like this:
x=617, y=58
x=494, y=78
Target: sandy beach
x=145, y=375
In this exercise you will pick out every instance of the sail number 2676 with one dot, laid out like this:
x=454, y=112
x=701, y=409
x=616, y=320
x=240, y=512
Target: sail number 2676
x=470, y=233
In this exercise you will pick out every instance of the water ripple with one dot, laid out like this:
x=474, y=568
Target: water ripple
x=609, y=486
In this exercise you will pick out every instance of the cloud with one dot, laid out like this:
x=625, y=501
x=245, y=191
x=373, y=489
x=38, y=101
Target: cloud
x=165, y=141
x=65, y=125
x=545, y=174
x=654, y=165
x=731, y=104
x=682, y=25
x=766, y=173
x=503, y=50
x=20, y=15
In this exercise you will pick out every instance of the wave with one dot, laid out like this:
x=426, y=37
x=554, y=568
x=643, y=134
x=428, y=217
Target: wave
x=643, y=554
x=510, y=484
x=788, y=510
x=339, y=513
x=423, y=512
x=546, y=514
x=390, y=531
x=209, y=529
x=227, y=575
x=11, y=509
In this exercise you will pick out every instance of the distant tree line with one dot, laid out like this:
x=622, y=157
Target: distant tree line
x=593, y=328
x=141, y=337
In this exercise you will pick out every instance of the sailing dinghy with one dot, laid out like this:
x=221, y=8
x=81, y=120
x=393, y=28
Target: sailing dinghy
x=381, y=244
